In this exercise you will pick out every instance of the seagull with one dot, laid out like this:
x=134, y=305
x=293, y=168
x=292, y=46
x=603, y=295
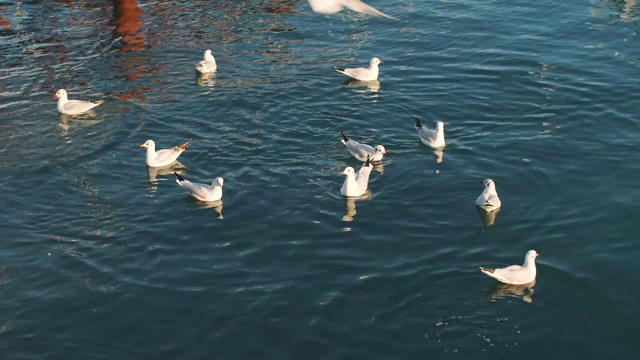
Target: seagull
x=334, y=6
x=356, y=184
x=162, y=157
x=202, y=192
x=363, y=152
x=208, y=64
x=489, y=199
x=362, y=74
x=73, y=107
x=432, y=138
x=516, y=274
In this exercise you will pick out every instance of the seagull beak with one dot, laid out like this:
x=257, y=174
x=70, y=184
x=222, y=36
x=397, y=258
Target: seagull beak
x=342, y=173
x=381, y=62
x=385, y=154
x=55, y=96
x=141, y=145
x=537, y=255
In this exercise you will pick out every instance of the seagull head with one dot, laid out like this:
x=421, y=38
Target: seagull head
x=208, y=56
x=376, y=61
x=380, y=149
x=347, y=171
x=218, y=181
x=489, y=183
x=439, y=125
x=61, y=94
x=531, y=256
x=147, y=144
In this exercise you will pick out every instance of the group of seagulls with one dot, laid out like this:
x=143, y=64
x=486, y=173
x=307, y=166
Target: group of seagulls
x=355, y=183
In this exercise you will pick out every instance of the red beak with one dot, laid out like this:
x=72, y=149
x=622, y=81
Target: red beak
x=55, y=96
x=385, y=154
x=537, y=255
x=342, y=173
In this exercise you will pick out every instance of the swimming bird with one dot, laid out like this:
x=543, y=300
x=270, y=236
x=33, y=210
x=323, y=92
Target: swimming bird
x=363, y=152
x=489, y=199
x=208, y=64
x=356, y=184
x=73, y=107
x=516, y=274
x=362, y=74
x=334, y=6
x=202, y=192
x=162, y=157
x=432, y=138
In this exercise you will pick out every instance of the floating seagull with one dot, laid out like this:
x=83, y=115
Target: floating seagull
x=363, y=152
x=433, y=138
x=334, y=6
x=489, y=199
x=202, y=192
x=73, y=107
x=516, y=274
x=356, y=184
x=362, y=74
x=162, y=157
x=208, y=64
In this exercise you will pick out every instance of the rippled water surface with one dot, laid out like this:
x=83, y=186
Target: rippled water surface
x=102, y=258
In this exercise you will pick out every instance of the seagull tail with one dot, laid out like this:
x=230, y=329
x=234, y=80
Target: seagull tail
x=487, y=270
x=338, y=69
x=418, y=124
x=344, y=137
x=368, y=162
x=182, y=147
x=179, y=178
x=98, y=102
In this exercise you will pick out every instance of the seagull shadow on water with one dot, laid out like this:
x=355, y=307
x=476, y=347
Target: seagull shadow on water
x=66, y=122
x=500, y=290
x=206, y=79
x=488, y=218
x=154, y=172
x=215, y=205
x=372, y=86
x=351, y=205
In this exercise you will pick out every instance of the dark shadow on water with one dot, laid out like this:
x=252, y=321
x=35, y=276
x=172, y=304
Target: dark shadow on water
x=488, y=218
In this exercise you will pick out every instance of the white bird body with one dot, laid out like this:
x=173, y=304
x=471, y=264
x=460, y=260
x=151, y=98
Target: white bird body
x=433, y=138
x=516, y=274
x=363, y=152
x=208, y=64
x=73, y=107
x=334, y=6
x=362, y=74
x=356, y=184
x=489, y=199
x=202, y=192
x=162, y=157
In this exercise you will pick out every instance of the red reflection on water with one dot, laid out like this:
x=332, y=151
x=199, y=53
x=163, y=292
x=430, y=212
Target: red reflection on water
x=126, y=18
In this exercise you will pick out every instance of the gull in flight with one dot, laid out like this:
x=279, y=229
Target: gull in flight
x=516, y=274
x=432, y=138
x=363, y=152
x=356, y=184
x=208, y=64
x=334, y=6
x=162, y=157
x=489, y=199
x=202, y=192
x=362, y=74
x=73, y=107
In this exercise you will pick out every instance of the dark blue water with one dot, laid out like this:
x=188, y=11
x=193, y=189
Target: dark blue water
x=102, y=258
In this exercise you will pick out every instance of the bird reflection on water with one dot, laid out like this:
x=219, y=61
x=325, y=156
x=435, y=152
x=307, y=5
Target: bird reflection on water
x=501, y=290
x=351, y=205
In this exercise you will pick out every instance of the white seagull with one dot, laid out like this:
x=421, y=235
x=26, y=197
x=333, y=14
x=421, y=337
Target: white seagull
x=202, y=192
x=489, y=199
x=363, y=152
x=356, y=184
x=432, y=138
x=334, y=6
x=362, y=74
x=73, y=107
x=208, y=64
x=516, y=274
x=162, y=157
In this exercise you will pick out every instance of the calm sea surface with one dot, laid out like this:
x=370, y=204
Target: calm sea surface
x=102, y=258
